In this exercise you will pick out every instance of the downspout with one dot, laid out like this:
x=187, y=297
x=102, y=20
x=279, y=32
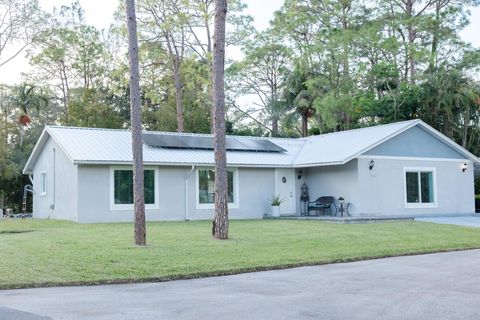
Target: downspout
x=189, y=174
x=52, y=206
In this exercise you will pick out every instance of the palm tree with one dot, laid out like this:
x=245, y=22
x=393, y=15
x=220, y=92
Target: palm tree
x=28, y=97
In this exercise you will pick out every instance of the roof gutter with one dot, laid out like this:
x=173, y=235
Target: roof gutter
x=181, y=164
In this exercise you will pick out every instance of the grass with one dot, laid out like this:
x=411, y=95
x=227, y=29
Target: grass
x=46, y=253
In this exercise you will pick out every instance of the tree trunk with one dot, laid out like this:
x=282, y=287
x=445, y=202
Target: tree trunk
x=210, y=65
x=346, y=6
x=304, y=124
x=411, y=40
x=135, y=115
x=434, y=48
x=466, y=118
x=275, y=126
x=22, y=134
x=65, y=90
x=210, y=94
x=177, y=61
x=220, y=221
x=178, y=95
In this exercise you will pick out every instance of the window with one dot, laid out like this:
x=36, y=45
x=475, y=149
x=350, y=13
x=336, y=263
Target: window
x=206, y=188
x=122, y=188
x=420, y=187
x=43, y=183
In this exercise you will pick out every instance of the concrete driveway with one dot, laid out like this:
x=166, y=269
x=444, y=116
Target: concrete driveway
x=436, y=286
x=466, y=221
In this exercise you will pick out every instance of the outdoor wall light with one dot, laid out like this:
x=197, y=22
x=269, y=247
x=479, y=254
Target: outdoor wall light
x=371, y=165
x=464, y=167
x=300, y=174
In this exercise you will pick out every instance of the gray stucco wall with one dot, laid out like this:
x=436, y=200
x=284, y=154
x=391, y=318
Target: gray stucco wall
x=60, y=201
x=381, y=191
x=415, y=142
x=255, y=187
x=383, y=188
x=335, y=181
x=254, y=192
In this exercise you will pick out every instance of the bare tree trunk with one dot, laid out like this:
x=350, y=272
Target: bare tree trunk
x=275, y=126
x=433, y=52
x=411, y=40
x=210, y=94
x=65, y=90
x=220, y=221
x=178, y=95
x=304, y=124
x=177, y=60
x=22, y=134
x=346, y=6
x=466, y=118
x=136, y=122
x=210, y=65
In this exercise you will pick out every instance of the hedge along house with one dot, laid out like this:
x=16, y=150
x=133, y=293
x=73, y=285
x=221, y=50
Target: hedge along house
x=400, y=169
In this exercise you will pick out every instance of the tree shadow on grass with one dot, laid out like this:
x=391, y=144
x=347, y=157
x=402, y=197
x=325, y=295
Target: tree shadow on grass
x=15, y=231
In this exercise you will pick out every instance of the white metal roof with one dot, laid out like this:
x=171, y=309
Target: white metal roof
x=109, y=146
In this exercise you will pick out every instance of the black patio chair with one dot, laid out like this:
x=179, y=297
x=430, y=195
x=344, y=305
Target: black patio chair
x=322, y=204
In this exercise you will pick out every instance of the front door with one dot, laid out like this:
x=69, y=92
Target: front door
x=285, y=188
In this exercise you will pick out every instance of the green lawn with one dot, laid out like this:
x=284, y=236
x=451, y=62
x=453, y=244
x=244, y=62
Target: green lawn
x=40, y=253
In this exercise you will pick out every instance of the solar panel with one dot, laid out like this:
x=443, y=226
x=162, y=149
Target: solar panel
x=261, y=144
x=235, y=145
x=206, y=143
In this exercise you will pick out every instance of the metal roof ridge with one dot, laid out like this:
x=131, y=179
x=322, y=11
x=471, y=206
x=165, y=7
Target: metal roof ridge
x=174, y=133
x=83, y=128
x=363, y=128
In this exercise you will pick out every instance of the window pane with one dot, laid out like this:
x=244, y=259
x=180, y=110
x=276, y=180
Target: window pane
x=426, y=187
x=230, y=186
x=412, y=187
x=206, y=186
x=149, y=186
x=43, y=179
x=123, y=186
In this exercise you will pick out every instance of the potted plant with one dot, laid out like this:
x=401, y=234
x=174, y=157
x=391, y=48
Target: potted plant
x=275, y=204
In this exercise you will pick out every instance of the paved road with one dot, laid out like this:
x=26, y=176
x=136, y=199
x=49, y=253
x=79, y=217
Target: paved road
x=436, y=286
x=467, y=221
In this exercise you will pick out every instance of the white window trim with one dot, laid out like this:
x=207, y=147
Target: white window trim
x=420, y=205
x=125, y=207
x=231, y=205
x=42, y=175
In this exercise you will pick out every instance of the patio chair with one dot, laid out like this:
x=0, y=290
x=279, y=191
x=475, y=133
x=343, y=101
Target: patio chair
x=322, y=204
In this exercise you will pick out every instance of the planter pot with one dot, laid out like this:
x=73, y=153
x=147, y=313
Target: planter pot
x=275, y=211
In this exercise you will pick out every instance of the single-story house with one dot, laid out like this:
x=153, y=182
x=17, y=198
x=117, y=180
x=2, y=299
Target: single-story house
x=399, y=169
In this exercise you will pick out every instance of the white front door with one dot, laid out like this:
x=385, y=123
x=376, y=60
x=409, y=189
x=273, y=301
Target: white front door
x=285, y=188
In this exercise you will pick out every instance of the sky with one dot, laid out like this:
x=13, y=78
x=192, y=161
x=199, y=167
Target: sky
x=99, y=13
